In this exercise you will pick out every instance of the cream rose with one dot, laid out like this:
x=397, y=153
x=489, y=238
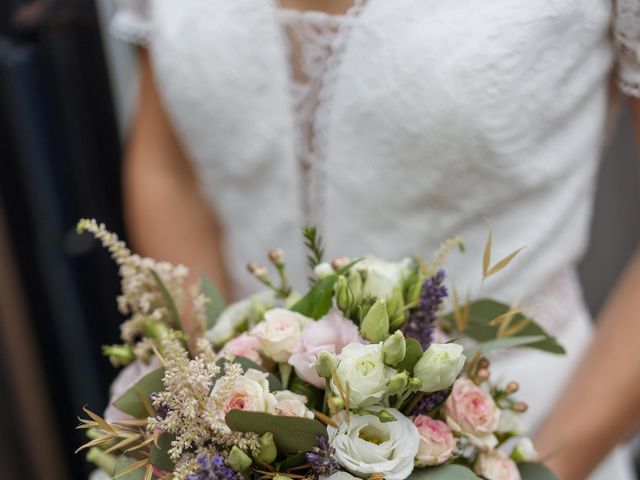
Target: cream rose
x=364, y=445
x=292, y=405
x=472, y=412
x=363, y=368
x=248, y=392
x=495, y=465
x=279, y=332
x=436, y=441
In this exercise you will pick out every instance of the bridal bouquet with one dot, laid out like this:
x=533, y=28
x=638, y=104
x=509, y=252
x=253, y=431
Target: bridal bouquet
x=371, y=374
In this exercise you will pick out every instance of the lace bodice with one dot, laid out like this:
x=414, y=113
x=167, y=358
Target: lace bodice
x=397, y=125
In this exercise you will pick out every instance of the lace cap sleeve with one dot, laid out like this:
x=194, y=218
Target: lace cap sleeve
x=131, y=22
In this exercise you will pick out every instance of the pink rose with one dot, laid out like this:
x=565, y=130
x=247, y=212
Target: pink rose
x=126, y=379
x=331, y=333
x=495, y=465
x=472, y=411
x=246, y=346
x=436, y=441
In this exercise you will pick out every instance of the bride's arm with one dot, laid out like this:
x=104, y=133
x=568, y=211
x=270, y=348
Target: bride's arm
x=601, y=405
x=167, y=216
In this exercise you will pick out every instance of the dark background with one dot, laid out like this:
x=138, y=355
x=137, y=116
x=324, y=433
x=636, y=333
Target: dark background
x=60, y=152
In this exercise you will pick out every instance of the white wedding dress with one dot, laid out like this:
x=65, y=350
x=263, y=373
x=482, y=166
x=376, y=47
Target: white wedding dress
x=400, y=124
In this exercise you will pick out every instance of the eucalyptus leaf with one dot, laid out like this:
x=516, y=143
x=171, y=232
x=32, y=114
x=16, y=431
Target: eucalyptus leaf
x=291, y=434
x=482, y=312
x=535, y=471
x=159, y=456
x=171, y=305
x=414, y=353
x=319, y=300
x=246, y=364
x=217, y=304
x=123, y=464
x=504, y=343
x=445, y=472
x=133, y=400
x=293, y=461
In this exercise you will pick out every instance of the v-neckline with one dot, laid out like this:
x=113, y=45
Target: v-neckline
x=311, y=194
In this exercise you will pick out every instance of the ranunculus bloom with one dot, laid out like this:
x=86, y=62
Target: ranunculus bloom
x=245, y=345
x=436, y=441
x=248, y=392
x=472, y=411
x=365, y=445
x=495, y=465
x=363, y=368
x=279, y=332
x=292, y=405
x=127, y=378
x=331, y=333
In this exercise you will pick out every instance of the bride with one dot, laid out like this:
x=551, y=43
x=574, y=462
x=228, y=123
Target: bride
x=392, y=125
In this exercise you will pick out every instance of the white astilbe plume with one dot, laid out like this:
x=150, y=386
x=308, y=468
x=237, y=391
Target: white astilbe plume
x=189, y=411
x=141, y=296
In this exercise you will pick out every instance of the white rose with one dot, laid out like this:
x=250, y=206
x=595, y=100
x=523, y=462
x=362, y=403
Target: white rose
x=511, y=422
x=292, y=405
x=495, y=465
x=365, y=445
x=439, y=366
x=279, y=332
x=235, y=315
x=248, y=392
x=382, y=276
x=363, y=368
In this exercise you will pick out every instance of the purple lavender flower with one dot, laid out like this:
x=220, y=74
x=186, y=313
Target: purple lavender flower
x=213, y=467
x=430, y=402
x=321, y=459
x=421, y=324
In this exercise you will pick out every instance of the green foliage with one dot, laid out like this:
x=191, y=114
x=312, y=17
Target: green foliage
x=217, y=304
x=319, y=300
x=159, y=456
x=535, y=471
x=445, y=472
x=504, y=343
x=414, y=353
x=313, y=242
x=171, y=305
x=480, y=328
x=315, y=396
x=135, y=401
x=291, y=434
x=123, y=464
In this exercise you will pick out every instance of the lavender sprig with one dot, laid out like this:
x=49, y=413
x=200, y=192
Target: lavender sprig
x=430, y=402
x=321, y=459
x=213, y=467
x=421, y=324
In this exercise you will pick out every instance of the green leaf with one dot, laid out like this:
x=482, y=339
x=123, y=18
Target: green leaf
x=133, y=400
x=291, y=434
x=159, y=456
x=482, y=312
x=314, y=395
x=217, y=305
x=535, y=471
x=414, y=353
x=171, y=305
x=123, y=464
x=445, y=472
x=246, y=364
x=318, y=301
x=293, y=461
x=504, y=343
